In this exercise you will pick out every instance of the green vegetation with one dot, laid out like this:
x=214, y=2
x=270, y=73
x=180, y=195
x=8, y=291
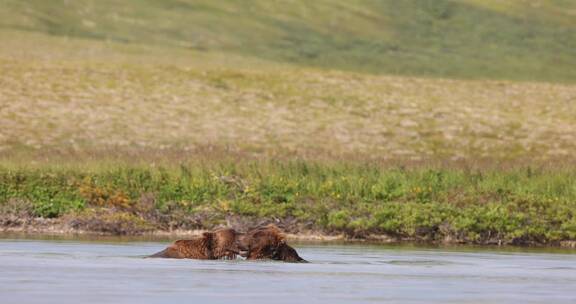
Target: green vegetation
x=515, y=39
x=514, y=206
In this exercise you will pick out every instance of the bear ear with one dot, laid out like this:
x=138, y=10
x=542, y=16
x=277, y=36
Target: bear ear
x=208, y=235
x=273, y=227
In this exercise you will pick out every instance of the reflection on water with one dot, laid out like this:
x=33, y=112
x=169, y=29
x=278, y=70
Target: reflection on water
x=89, y=271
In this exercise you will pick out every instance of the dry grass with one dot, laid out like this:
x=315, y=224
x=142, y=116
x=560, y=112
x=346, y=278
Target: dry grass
x=93, y=99
x=95, y=104
x=90, y=98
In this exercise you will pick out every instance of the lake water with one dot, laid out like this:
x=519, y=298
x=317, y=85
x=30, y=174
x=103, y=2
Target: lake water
x=114, y=271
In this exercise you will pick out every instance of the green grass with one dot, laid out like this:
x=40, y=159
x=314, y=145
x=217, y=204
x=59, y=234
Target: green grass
x=515, y=40
x=517, y=205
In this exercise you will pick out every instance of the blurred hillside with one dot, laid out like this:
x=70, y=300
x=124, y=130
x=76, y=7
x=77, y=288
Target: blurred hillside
x=513, y=39
x=401, y=80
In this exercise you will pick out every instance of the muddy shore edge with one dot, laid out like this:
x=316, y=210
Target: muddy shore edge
x=60, y=227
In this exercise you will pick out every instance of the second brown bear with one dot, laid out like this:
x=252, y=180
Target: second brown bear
x=221, y=243
x=268, y=242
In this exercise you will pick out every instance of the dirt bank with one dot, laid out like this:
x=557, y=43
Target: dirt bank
x=68, y=227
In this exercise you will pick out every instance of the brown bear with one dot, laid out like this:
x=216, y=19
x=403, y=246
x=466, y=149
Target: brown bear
x=221, y=243
x=268, y=242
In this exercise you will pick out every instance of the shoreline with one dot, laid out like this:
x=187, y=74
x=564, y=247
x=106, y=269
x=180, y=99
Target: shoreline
x=63, y=229
x=53, y=228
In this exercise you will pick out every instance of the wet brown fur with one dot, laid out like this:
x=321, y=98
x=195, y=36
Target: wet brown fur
x=287, y=254
x=268, y=242
x=219, y=244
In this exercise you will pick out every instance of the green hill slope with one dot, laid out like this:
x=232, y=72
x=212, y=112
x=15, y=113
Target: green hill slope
x=515, y=39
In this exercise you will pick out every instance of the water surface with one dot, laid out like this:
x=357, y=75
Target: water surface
x=73, y=271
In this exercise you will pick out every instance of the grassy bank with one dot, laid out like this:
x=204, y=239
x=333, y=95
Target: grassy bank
x=514, y=206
